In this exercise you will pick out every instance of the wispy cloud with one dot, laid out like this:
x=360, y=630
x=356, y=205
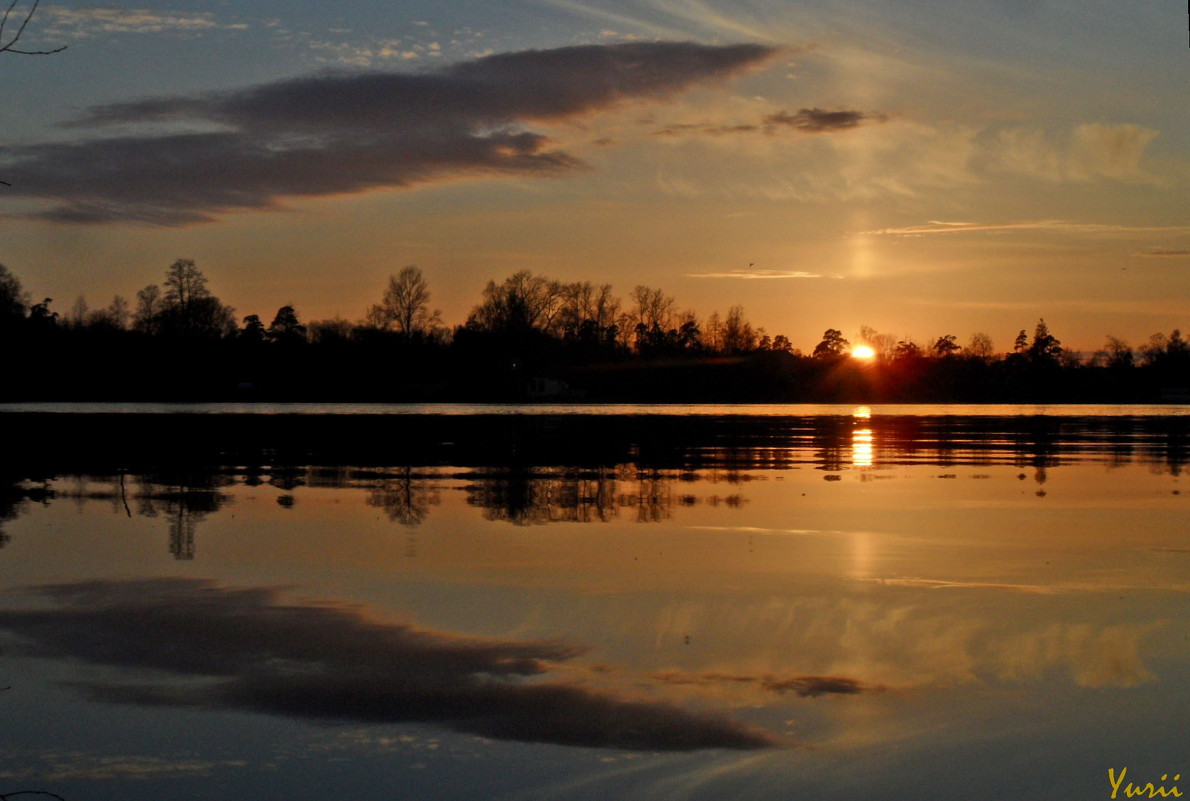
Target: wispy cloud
x=333, y=133
x=804, y=686
x=803, y=121
x=1164, y=254
x=751, y=274
x=1142, y=308
x=1089, y=152
x=192, y=643
x=85, y=22
x=59, y=766
x=1029, y=589
x=942, y=227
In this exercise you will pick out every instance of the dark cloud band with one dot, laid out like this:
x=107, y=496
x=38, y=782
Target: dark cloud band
x=336, y=133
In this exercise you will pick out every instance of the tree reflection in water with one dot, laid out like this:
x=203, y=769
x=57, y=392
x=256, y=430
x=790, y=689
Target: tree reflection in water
x=547, y=469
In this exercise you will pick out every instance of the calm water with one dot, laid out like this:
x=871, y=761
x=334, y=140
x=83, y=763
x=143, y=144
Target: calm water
x=705, y=409
x=830, y=603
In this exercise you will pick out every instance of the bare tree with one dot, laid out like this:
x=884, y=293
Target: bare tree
x=885, y=345
x=147, y=317
x=405, y=307
x=981, y=346
x=117, y=312
x=524, y=302
x=738, y=335
x=185, y=284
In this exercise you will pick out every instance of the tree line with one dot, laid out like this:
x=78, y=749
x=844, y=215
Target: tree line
x=530, y=337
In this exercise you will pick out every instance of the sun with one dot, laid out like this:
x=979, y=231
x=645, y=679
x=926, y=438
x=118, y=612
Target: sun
x=863, y=352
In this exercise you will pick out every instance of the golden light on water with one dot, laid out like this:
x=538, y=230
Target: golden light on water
x=862, y=450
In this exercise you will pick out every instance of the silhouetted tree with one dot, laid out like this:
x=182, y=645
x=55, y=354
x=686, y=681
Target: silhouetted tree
x=946, y=346
x=782, y=344
x=589, y=314
x=147, y=317
x=13, y=301
x=1161, y=348
x=522, y=303
x=286, y=329
x=40, y=316
x=253, y=332
x=885, y=345
x=117, y=314
x=187, y=309
x=405, y=306
x=649, y=317
x=77, y=316
x=832, y=345
x=980, y=346
x=1177, y=347
x=1152, y=351
x=1116, y=354
x=184, y=283
x=1021, y=343
x=1045, y=347
x=738, y=335
x=713, y=332
x=325, y=332
x=688, y=335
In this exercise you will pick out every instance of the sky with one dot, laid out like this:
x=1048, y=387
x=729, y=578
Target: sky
x=918, y=167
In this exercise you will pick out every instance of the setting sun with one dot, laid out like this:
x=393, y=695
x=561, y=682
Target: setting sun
x=863, y=352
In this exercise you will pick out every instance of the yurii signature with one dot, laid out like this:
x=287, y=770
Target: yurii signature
x=1146, y=790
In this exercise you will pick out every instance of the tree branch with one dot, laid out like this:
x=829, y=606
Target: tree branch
x=7, y=47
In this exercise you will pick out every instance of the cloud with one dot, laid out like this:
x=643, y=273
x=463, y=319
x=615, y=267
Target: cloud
x=83, y=22
x=1110, y=151
x=815, y=120
x=1108, y=656
x=751, y=274
x=803, y=686
x=57, y=766
x=804, y=121
x=335, y=133
x=1036, y=589
x=242, y=649
x=1061, y=226
x=1164, y=253
x=1089, y=152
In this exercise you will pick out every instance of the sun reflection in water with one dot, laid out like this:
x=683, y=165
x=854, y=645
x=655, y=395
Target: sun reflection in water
x=861, y=447
x=861, y=439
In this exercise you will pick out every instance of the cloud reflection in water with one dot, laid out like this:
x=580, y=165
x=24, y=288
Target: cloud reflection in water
x=243, y=649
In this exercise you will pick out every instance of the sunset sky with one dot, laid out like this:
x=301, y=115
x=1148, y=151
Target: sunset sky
x=921, y=167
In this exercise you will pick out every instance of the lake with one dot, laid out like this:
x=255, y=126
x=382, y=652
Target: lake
x=578, y=602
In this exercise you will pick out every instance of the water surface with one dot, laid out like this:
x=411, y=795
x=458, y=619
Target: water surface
x=834, y=604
